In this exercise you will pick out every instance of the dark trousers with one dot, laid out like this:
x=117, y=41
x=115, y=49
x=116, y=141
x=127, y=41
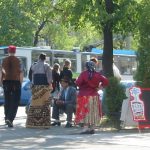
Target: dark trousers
x=12, y=93
x=69, y=109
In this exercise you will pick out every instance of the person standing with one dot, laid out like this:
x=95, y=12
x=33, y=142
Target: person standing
x=12, y=76
x=66, y=72
x=39, y=111
x=88, y=110
x=56, y=80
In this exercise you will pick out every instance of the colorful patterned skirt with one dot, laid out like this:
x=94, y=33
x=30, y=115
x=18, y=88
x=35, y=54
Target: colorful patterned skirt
x=39, y=111
x=88, y=110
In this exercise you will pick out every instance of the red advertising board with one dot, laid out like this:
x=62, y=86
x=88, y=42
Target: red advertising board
x=140, y=106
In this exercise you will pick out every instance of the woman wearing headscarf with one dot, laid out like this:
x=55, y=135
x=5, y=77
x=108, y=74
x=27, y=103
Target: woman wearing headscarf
x=39, y=111
x=88, y=110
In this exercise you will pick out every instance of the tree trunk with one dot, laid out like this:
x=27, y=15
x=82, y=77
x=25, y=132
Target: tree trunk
x=36, y=36
x=108, y=51
x=108, y=42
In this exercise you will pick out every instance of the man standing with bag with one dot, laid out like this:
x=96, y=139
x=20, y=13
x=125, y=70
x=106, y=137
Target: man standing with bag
x=12, y=76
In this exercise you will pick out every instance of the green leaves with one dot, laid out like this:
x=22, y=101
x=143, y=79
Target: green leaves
x=124, y=15
x=13, y=24
x=143, y=70
x=22, y=18
x=114, y=95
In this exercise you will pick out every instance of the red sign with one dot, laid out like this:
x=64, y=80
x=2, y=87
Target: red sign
x=137, y=104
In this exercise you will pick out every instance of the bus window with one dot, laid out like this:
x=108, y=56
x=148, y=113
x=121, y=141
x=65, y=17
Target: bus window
x=36, y=53
x=125, y=64
x=23, y=61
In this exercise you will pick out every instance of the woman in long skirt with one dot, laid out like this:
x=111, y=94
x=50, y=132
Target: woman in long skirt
x=88, y=109
x=39, y=112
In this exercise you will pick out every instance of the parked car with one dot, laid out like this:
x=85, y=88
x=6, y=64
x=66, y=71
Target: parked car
x=25, y=93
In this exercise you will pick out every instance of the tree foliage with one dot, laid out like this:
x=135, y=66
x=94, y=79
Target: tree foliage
x=108, y=17
x=16, y=27
x=143, y=70
x=62, y=37
x=124, y=14
x=115, y=94
x=26, y=22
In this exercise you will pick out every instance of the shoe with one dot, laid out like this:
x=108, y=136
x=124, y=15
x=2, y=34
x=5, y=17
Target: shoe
x=9, y=123
x=85, y=132
x=68, y=125
x=56, y=124
x=88, y=132
x=92, y=131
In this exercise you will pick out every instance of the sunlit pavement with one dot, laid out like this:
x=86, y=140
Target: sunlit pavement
x=60, y=138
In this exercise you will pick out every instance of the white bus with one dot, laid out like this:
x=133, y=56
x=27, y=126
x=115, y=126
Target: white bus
x=125, y=60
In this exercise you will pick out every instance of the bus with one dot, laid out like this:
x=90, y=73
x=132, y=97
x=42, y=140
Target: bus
x=125, y=60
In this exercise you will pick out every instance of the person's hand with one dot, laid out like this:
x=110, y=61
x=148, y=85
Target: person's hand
x=50, y=86
x=100, y=87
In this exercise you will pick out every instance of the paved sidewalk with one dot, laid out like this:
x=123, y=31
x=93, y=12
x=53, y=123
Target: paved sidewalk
x=20, y=121
x=60, y=138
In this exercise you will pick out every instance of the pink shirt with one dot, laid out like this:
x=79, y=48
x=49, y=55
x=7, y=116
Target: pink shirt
x=89, y=87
